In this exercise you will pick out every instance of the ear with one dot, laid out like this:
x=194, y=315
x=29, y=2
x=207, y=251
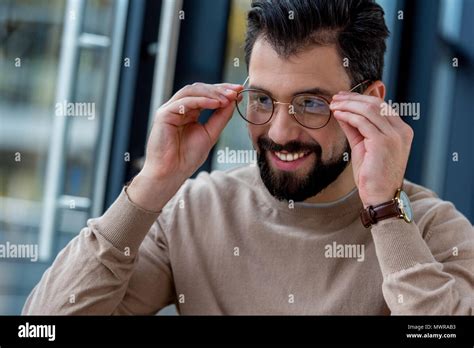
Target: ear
x=376, y=89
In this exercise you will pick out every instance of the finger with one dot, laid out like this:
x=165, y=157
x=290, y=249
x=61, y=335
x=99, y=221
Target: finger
x=352, y=134
x=200, y=90
x=392, y=116
x=369, y=110
x=232, y=86
x=393, y=119
x=185, y=106
x=231, y=91
x=218, y=121
x=203, y=90
x=361, y=123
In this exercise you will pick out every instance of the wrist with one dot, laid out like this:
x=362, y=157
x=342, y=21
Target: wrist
x=398, y=206
x=374, y=201
x=150, y=193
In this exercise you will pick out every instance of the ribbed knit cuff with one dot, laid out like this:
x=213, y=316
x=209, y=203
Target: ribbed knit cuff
x=399, y=245
x=125, y=224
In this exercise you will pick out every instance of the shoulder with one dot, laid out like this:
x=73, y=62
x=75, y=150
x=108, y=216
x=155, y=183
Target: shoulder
x=420, y=195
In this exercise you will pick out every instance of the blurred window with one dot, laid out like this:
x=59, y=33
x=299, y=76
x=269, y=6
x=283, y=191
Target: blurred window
x=59, y=65
x=235, y=136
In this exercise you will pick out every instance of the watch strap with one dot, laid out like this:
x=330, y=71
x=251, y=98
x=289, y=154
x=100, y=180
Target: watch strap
x=373, y=214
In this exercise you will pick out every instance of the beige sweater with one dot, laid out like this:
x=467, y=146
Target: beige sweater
x=224, y=245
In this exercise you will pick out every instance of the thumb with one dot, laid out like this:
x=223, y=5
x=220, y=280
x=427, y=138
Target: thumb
x=218, y=121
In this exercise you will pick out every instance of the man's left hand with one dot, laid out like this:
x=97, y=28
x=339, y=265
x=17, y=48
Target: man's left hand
x=380, y=144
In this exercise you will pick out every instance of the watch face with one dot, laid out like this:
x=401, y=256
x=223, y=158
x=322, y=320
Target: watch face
x=405, y=207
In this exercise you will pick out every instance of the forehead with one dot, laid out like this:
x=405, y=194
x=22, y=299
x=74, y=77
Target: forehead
x=316, y=66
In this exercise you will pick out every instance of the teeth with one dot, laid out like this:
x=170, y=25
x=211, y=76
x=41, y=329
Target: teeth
x=289, y=157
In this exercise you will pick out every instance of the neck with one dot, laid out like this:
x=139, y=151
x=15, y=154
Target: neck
x=336, y=190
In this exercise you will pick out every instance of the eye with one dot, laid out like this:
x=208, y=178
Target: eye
x=311, y=105
x=261, y=101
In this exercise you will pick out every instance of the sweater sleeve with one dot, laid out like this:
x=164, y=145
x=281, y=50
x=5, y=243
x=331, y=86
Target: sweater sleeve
x=118, y=264
x=427, y=271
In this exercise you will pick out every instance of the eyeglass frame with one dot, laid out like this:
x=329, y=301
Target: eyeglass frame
x=274, y=101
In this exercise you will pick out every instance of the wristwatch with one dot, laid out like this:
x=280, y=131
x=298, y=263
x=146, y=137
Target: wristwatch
x=399, y=207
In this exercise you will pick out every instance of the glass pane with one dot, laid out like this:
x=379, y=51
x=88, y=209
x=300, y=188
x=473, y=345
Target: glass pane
x=98, y=19
x=83, y=128
x=30, y=32
x=235, y=136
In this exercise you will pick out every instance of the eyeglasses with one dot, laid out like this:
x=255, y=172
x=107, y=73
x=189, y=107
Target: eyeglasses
x=309, y=110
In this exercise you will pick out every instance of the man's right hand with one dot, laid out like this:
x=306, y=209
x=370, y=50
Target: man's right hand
x=178, y=144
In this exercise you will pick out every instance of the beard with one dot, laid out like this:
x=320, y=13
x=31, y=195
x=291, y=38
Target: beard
x=288, y=186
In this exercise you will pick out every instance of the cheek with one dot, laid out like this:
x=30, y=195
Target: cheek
x=331, y=138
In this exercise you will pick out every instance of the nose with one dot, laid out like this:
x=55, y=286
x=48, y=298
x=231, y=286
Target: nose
x=283, y=126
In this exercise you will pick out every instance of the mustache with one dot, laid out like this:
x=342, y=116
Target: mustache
x=265, y=143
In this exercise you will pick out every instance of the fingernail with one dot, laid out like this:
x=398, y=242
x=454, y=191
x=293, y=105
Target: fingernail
x=229, y=91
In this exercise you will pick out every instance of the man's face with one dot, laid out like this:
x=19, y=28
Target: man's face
x=318, y=67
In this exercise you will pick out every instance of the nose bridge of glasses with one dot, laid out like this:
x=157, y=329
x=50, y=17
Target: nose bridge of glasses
x=282, y=103
x=290, y=110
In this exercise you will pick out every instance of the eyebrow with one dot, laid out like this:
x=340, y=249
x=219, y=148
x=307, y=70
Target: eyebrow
x=315, y=90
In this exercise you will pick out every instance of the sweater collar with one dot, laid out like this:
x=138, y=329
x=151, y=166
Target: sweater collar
x=346, y=208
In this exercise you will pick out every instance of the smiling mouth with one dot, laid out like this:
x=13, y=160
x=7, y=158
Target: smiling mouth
x=290, y=156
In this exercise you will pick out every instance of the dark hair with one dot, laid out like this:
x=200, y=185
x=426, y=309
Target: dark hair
x=357, y=27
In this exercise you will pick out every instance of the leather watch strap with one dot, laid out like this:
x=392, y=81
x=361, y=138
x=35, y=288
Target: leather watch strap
x=371, y=215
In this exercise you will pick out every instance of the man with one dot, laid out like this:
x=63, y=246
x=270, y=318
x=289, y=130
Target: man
x=288, y=236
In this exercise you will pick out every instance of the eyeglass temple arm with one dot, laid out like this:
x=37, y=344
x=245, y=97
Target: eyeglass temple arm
x=358, y=85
